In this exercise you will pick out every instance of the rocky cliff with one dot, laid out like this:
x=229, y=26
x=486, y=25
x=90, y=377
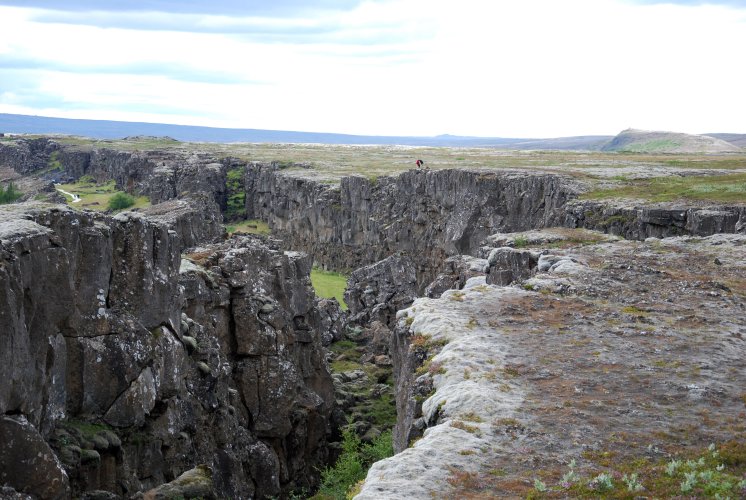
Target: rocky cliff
x=126, y=367
x=427, y=215
x=433, y=215
x=160, y=175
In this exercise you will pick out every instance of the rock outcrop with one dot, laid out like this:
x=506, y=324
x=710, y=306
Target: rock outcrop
x=160, y=175
x=128, y=367
x=591, y=362
x=378, y=291
x=636, y=221
x=428, y=216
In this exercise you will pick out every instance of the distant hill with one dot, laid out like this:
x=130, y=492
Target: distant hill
x=735, y=139
x=105, y=129
x=644, y=141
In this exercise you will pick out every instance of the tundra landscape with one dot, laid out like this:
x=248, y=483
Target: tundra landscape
x=542, y=324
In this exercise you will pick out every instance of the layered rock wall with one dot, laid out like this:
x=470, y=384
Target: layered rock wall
x=160, y=175
x=635, y=221
x=126, y=367
x=427, y=215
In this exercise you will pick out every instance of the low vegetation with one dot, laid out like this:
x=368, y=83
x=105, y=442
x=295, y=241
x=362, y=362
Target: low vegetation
x=332, y=162
x=99, y=196
x=250, y=226
x=236, y=207
x=329, y=285
x=120, y=201
x=715, y=473
x=341, y=481
x=721, y=188
x=9, y=194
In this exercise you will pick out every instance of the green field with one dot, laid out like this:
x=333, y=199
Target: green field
x=329, y=285
x=720, y=188
x=251, y=226
x=96, y=196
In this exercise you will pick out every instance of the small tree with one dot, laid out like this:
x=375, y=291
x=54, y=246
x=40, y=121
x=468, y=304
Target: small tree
x=120, y=201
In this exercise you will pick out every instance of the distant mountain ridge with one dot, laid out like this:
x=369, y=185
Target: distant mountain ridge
x=107, y=129
x=628, y=140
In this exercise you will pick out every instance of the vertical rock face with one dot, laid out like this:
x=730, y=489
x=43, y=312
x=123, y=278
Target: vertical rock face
x=136, y=368
x=378, y=291
x=430, y=215
x=27, y=155
x=258, y=303
x=160, y=175
x=640, y=222
x=27, y=462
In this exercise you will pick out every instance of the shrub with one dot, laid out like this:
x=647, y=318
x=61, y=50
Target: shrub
x=353, y=463
x=120, y=201
x=9, y=194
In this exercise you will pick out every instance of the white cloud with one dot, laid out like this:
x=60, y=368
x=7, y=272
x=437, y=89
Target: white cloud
x=531, y=68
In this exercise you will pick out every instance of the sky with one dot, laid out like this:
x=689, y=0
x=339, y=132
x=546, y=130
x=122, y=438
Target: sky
x=489, y=68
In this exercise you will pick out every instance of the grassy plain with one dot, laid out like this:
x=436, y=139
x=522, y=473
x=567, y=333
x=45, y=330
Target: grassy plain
x=690, y=176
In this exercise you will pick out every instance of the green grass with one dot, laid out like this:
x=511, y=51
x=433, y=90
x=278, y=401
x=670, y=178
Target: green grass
x=9, y=194
x=339, y=482
x=652, y=146
x=251, y=226
x=718, y=188
x=329, y=285
x=97, y=196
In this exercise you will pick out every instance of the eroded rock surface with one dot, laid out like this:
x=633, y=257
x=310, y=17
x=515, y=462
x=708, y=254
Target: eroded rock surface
x=635, y=350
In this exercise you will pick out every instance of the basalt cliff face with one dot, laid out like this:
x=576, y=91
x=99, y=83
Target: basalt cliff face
x=433, y=215
x=124, y=366
x=427, y=215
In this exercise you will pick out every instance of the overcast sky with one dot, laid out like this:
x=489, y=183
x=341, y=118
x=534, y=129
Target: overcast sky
x=508, y=68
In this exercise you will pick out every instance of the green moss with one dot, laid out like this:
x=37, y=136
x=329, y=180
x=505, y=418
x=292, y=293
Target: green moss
x=53, y=164
x=89, y=457
x=120, y=201
x=339, y=482
x=9, y=194
x=86, y=429
x=383, y=411
x=345, y=366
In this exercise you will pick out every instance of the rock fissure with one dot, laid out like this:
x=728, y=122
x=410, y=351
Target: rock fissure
x=503, y=359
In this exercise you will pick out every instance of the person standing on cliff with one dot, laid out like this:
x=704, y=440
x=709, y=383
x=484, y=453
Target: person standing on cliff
x=419, y=163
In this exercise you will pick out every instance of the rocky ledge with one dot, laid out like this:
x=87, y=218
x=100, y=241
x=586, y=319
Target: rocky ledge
x=603, y=353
